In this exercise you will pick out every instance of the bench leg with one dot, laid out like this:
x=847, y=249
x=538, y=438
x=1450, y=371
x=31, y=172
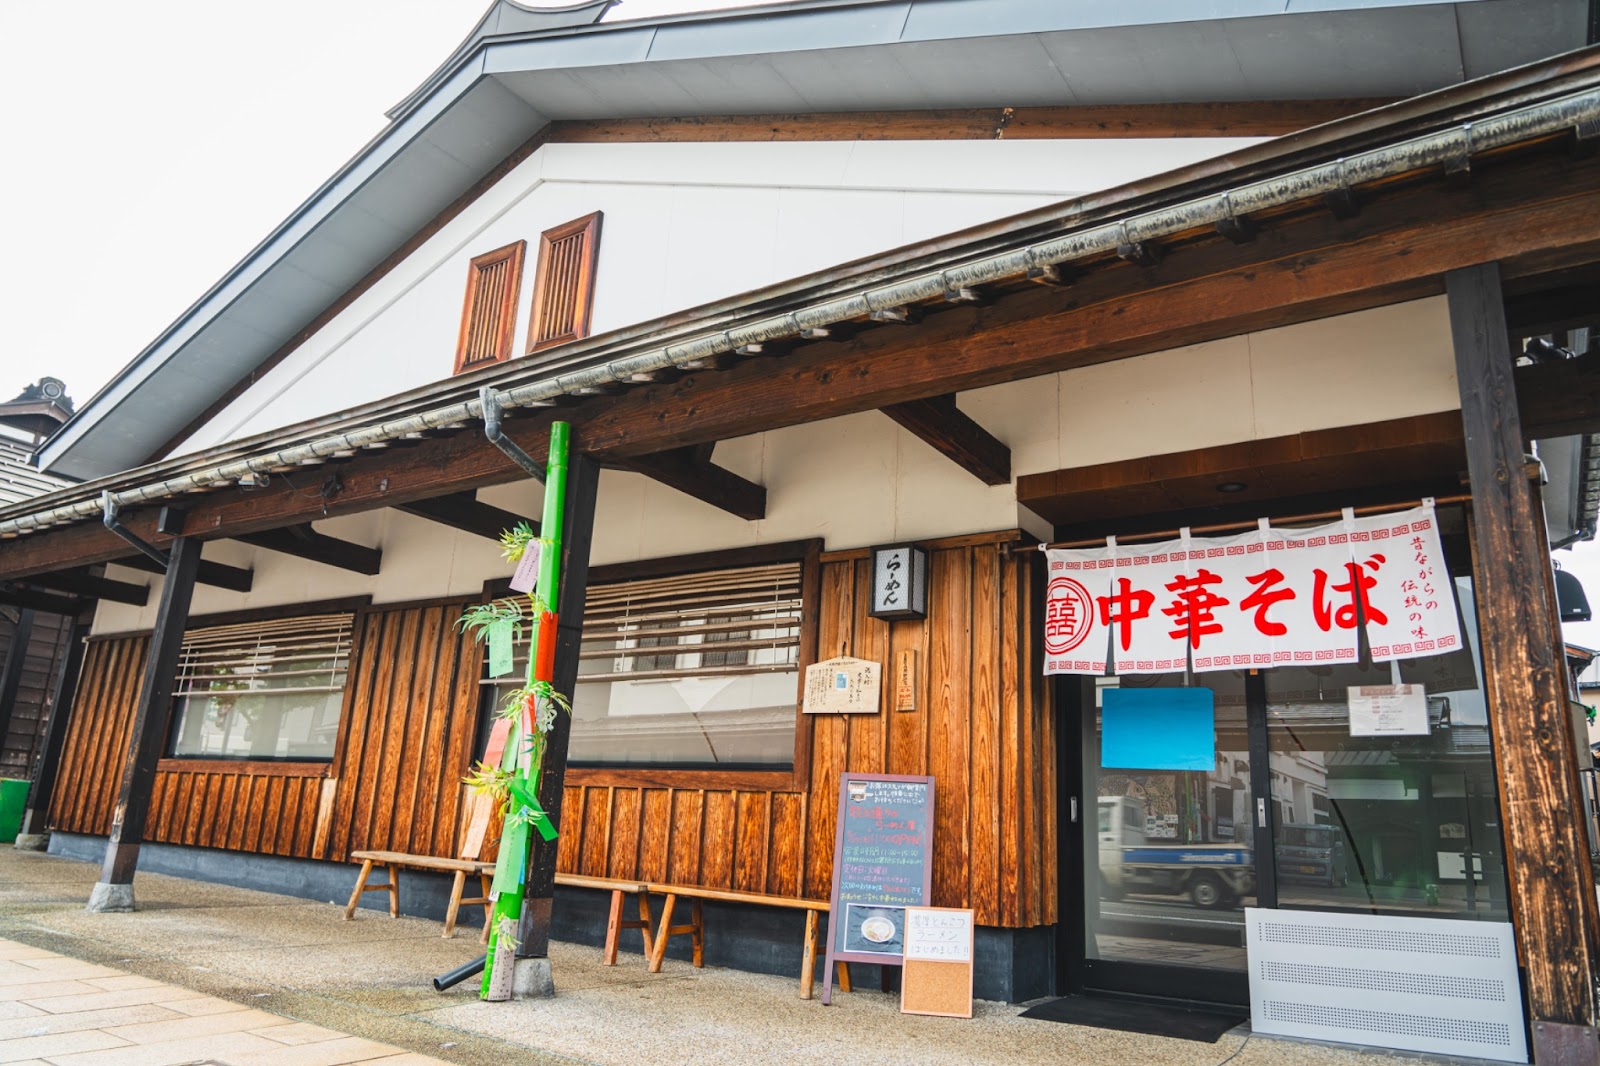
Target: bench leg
x=613, y=928
x=488, y=909
x=361, y=886
x=456, y=888
x=844, y=975
x=808, y=956
x=663, y=934
x=699, y=923
x=394, y=891
x=644, y=923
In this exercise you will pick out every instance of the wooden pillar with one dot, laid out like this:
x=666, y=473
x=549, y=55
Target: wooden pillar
x=148, y=735
x=583, y=482
x=1551, y=884
x=16, y=659
x=42, y=790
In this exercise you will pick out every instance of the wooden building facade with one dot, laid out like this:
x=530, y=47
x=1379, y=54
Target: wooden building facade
x=1247, y=320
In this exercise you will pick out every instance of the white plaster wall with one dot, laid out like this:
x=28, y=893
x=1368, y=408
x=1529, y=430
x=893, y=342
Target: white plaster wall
x=685, y=224
x=861, y=479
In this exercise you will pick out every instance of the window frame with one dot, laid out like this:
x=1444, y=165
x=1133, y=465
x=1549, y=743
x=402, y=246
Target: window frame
x=797, y=777
x=505, y=325
x=196, y=764
x=583, y=284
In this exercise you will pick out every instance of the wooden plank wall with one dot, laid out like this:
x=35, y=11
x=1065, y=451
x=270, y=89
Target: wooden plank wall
x=980, y=729
x=404, y=744
x=41, y=664
x=97, y=735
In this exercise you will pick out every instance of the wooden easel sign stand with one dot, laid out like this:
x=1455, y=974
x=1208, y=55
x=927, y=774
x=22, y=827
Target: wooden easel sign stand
x=882, y=864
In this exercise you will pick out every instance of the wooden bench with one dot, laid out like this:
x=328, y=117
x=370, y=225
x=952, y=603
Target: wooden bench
x=614, y=922
x=393, y=861
x=468, y=864
x=696, y=927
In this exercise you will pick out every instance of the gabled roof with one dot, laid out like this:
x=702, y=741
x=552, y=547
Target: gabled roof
x=517, y=72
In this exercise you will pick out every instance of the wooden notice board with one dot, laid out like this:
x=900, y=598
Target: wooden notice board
x=882, y=864
x=938, y=962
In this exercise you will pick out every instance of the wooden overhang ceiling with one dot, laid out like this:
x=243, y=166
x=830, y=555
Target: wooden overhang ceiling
x=1381, y=462
x=1533, y=207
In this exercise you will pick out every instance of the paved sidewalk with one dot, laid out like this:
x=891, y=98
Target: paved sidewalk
x=62, y=1011
x=204, y=973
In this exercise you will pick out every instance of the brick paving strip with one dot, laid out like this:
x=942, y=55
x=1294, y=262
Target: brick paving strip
x=65, y=1012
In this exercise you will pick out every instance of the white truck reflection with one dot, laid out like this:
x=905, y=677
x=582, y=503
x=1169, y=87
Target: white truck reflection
x=1211, y=875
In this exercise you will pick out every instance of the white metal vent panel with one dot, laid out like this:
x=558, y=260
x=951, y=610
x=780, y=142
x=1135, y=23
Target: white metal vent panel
x=1418, y=984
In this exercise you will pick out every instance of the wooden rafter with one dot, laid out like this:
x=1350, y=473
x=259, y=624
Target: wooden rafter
x=691, y=471
x=464, y=511
x=82, y=583
x=218, y=575
x=304, y=542
x=950, y=431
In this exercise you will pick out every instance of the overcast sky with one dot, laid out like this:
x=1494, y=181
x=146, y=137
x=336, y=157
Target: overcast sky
x=151, y=145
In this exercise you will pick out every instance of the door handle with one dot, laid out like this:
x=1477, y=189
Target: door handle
x=1074, y=815
x=1261, y=813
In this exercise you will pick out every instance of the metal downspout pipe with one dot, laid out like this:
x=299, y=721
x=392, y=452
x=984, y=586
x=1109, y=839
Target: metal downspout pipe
x=1451, y=148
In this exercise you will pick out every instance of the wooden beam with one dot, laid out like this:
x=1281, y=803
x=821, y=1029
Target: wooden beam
x=464, y=511
x=303, y=542
x=147, y=735
x=691, y=471
x=1307, y=267
x=1534, y=213
x=1265, y=118
x=1548, y=874
x=583, y=483
x=1559, y=398
x=218, y=575
x=31, y=598
x=1422, y=450
x=951, y=432
x=82, y=583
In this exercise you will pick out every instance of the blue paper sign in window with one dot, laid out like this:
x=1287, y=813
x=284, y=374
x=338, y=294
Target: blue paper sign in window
x=1158, y=729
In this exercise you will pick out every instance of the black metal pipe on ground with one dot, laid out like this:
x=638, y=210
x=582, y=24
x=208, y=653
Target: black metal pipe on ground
x=459, y=974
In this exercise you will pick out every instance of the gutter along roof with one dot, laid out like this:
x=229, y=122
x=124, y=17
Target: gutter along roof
x=513, y=76
x=1427, y=135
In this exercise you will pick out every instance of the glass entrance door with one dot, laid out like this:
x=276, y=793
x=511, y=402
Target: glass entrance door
x=1199, y=795
x=1167, y=838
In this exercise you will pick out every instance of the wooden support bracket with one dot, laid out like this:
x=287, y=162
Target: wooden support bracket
x=306, y=543
x=938, y=421
x=691, y=471
x=464, y=511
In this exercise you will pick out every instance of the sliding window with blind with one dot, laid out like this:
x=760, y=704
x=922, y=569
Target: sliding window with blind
x=563, y=286
x=694, y=671
x=489, y=310
x=269, y=690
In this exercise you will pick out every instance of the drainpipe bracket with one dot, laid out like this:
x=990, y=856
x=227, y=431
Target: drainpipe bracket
x=490, y=400
x=108, y=505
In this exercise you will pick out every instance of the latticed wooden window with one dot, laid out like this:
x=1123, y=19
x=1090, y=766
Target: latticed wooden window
x=563, y=289
x=489, y=313
x=262, y=690
x=698, y=670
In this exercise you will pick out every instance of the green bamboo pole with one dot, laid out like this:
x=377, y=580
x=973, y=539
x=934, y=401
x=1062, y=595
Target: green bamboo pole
x=514, y=848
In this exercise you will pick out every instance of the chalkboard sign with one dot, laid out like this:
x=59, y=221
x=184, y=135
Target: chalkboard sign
x=882, y=864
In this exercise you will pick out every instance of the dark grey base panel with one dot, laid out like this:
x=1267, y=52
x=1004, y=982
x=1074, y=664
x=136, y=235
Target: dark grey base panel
x=1013, y=965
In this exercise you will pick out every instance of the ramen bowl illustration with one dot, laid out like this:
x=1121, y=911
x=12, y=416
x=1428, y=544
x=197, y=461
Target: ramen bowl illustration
x=878, y=930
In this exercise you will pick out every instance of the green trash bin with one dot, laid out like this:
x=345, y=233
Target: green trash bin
x=13, y=799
